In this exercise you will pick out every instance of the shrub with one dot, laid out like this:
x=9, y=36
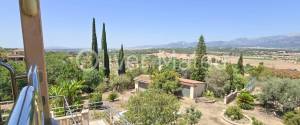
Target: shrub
x=166, y=80
x=256, y=122
x=234, y=113
x=283, y=94
x=209, y=94
x=292, y=118
x=121, y=83
x=96, y=97
x=245, y=100
x=91, y=78
x=152, y=107
x=102, y=87
x=192, y=115
x=112, y=96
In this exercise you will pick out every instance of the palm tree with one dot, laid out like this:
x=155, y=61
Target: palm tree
x=70, y=90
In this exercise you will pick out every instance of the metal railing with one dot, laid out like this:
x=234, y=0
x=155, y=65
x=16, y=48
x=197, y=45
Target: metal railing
x=28, y=109
x=13, y=73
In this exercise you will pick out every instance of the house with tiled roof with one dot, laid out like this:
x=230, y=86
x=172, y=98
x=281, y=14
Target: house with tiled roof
x=189, y=88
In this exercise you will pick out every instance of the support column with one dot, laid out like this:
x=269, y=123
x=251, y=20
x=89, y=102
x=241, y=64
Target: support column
x=192, y=92
x=34, y=47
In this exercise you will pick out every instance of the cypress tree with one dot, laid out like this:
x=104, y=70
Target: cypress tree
x=230, y=72
x=201, y=65
x=121, y=61
x=240, y=65
x=105, y=53
x=95, y=47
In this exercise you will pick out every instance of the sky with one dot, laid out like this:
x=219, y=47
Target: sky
x=68, y=23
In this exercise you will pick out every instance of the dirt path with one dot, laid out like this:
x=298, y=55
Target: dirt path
x=211, y=113
x=267, y=119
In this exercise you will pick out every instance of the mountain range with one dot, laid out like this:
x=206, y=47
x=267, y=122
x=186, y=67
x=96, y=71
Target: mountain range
x=279, y=41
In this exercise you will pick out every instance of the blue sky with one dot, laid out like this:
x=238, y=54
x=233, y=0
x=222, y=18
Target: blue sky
x=67, y=23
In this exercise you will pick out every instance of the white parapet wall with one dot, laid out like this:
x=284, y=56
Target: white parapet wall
x=82, y=118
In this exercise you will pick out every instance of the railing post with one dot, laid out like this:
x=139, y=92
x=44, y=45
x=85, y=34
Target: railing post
x=34, y=47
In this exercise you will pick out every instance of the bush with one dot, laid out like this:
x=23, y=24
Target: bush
x=209, y=94
x=152, y=107
x=121, y=83
x=112, y=96
x=292, y=118
x=245, y=100
x=166, y=80
x=192, y=115
x=256, y=122
x=96, y=97
x=234, y=113
x=281, y=94
x=102, y=87
x=91, y=78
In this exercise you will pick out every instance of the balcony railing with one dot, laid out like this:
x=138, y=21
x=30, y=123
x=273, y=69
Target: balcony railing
x=28, y=109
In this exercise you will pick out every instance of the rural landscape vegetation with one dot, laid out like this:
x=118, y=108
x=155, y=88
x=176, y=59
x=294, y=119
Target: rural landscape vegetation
x=240, y=82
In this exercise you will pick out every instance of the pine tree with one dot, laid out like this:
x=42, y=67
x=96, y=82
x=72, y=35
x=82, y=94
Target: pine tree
x=201, y=65
x=105, y=52
x=240, y=65
x=95, y=47
x=121, y=61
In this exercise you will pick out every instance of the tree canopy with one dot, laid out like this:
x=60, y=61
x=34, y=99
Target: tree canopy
x=95, y=62
x=282, y=93
x=240, y=65
x=201, y=65
x=166, y=80
x=105, y=53
x=152, y=107
x=121, y=61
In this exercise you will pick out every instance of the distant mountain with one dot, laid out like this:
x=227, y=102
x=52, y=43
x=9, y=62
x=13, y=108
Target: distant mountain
x=266, y=42
x=180, y=44
x=279, y=41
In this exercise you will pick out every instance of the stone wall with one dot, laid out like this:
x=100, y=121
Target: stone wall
x=230, y=97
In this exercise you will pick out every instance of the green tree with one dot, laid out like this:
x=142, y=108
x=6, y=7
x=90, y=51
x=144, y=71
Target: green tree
x=112, y=96
x=283, y=94
x=61, y=68
x=234, y=113
x=5, y=80
x=245, y=100
x=121, y=82
x=70, y=89
x=216, y=79
x=240, y=65
x=230, y=72
x=121, y=61
x=105, y=52
x=166, y=80
x=235, y=80
x=152, y=107
x=91, y=78
x=260, y=72
x=95, y=47
x=201, y=65
x=192, y=115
